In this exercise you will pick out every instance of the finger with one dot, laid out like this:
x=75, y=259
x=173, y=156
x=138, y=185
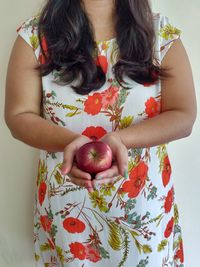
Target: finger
x=68, y=157
x=109, y=173
x=122, y=160
x=75, y=171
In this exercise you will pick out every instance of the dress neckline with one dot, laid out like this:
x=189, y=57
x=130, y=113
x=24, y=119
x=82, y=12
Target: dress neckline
x=106, y=41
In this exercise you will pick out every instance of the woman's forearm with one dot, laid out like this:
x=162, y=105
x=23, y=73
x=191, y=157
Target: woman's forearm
x=166, y=127
x=39, y=133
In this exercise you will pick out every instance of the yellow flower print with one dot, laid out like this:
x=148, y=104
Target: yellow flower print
x=106, y=190
x=168, y=32
x=125, y=122
x=98, y=200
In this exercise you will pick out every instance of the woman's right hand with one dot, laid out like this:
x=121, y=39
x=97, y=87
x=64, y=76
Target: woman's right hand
x=69, y=166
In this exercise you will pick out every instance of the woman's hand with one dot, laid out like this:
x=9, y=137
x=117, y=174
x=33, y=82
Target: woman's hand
x=120, y=160
x=70, y=168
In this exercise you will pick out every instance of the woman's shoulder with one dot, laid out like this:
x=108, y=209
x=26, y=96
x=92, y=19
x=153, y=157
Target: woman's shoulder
x=166, y=33
x=30, y=24
x=28, y=30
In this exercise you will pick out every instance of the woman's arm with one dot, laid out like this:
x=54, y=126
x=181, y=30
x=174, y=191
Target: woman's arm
x=178, y=106
x=23, y=101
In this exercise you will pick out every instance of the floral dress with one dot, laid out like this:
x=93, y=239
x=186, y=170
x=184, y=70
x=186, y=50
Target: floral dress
x=131, y=222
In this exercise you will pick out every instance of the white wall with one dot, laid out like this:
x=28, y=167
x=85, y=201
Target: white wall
x=185, y=156
x=18, y=162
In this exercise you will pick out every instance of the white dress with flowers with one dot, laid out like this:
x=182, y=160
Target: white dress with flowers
x=131, y=222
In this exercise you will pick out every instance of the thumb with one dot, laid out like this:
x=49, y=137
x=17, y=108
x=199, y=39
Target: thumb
x=68, y=158
x=122, y=160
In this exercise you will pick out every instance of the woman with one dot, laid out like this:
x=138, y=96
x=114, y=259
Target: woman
x=107, y=70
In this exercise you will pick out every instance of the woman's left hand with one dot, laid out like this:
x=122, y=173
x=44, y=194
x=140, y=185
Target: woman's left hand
x=120, y=160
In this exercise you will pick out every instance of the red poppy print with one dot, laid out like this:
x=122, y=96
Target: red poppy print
x=93, y=104
x=73, y=225
x=169, y=201
x=42, y=57
x=94, y=132
x=102, y=62
x=152, y=107
x=92, y=254
x=137, y=179
x=166, y=173
x=169, y=228
x=46, y=223
x=110, y=96
x=179, y=253
x=78, y=250
x=154, y=78
x=42, y=192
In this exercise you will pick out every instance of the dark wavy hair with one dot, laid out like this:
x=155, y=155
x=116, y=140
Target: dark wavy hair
x=70, y=44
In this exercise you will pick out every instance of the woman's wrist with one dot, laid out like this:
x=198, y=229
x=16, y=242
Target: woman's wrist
x=120, y=136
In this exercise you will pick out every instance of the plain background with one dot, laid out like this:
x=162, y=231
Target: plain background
x=18, y=161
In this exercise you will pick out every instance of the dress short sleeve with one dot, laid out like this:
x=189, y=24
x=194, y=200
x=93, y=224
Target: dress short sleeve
x=29, y=32
x=166, y=34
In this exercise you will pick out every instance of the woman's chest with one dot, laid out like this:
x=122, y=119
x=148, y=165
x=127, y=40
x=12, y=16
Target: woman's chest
x=111, y=107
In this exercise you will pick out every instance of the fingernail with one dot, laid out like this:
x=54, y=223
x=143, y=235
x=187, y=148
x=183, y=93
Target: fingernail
x=63, y=169
x=126, y=176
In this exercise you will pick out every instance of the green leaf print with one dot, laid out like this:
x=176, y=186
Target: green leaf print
x=70, y=107
x=162, y=245
x=75, y=110
x=118, y=239
x=42, y=171
x=125, y=247
x=122, y=97
x=45, y=247
x=136, y=152
x=53, y=93
x=143, y=263
x=176, y=214
x=137, y=243
x=53, y=230
x=126, y=122
x=115, y=236
x=146, y=249
x=60, y=253
x=129, y=205
x=71, y=114
x=73, y=189
x=104, y=254
x=59, y=178
x=152, y=194
x=161, y=153
x=37, y=257
x=34, y=41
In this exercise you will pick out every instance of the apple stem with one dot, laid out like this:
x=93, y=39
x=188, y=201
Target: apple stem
x=93, y=138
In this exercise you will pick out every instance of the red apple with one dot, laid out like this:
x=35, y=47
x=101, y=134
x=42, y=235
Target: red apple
x=94, y=157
